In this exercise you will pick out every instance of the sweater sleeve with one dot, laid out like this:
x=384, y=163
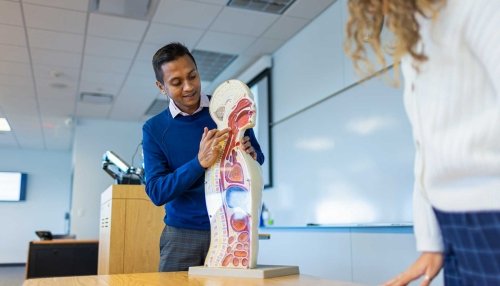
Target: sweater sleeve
x=482, y=36
x=425, y=225
x=255, y=145
x=162, y=183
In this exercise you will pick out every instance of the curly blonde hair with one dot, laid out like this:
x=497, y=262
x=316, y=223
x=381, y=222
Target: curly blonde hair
x=366, y=20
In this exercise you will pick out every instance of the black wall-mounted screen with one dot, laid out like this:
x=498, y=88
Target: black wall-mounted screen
x=12, y=186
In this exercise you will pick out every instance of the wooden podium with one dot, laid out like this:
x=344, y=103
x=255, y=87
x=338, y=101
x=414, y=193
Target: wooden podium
x=130, y=229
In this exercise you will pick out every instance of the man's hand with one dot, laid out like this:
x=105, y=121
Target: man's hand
x=210, y=146
x=427, y=265
x=247, y=147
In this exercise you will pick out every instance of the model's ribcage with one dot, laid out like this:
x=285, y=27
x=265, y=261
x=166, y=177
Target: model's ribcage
x=233, y=191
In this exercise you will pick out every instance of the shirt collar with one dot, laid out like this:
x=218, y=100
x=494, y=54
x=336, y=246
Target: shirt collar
x=174, y=110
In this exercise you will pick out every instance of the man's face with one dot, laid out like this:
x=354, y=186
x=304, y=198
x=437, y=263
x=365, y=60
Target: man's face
x=181, y=83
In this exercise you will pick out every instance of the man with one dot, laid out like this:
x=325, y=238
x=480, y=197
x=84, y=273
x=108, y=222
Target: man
x=178, y=145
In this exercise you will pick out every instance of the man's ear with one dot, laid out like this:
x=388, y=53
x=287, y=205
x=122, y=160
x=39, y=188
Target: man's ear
x=161, y=87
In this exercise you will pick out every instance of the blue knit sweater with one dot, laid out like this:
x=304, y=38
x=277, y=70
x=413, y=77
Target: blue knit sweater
x=174, y=176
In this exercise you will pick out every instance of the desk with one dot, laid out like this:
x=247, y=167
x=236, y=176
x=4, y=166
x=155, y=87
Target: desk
x=180, y=279
x=61, y=257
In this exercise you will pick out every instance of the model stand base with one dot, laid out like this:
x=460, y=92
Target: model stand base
x=261, y=271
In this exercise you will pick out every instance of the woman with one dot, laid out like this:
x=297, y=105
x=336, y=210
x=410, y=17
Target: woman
x=450, y=58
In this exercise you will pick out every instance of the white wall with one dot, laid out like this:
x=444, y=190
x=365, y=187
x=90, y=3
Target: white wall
x=308, y=68
x=365, y=255
x=47, y=200
x=92, y=139
x=50, y=191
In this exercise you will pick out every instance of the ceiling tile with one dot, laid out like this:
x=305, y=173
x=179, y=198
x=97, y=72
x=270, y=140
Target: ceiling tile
x=7, y=140
x=217, y=2
x=140, y=85
x=97, y=46
x=10, y=13
x=10, y=80
x=176, y=11
x=16, y=92
x=31, y=140
x=116, y=27
x=17, y=69
x=16, y=109
x=241, y=21
x=140, y=99
x=285, y=28
x=99, y=87
x=143, y=68
x=90, y=110
x=62, y=108
x=55, y=19
x=28, y=131
x=80, y=5
x=12, y=35
x=105, y=64
x=224, y=43
x=263, y=46
x=163, y=34
x=308, y=9
x=146, y=51
x=55, y=40
x=27, y=121
x=14, y=54
x=103, y=77
x=56, y=58
x=56, y=73
x=46, y=91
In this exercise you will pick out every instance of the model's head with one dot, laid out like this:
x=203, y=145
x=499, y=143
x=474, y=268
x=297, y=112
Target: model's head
x=366, y=19
x=177, y=76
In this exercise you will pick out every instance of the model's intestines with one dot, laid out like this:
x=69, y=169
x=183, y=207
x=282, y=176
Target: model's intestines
x=233, y=184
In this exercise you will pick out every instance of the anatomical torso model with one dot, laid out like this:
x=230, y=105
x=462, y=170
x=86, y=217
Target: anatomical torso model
x=233, y=185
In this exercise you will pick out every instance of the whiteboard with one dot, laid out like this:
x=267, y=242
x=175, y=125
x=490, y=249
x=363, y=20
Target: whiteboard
x=347, y=160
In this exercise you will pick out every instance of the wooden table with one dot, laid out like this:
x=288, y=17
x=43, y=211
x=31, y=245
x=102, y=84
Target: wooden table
x=180, y=279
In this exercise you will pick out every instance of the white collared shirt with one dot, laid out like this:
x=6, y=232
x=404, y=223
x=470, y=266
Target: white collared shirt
x=174, y=110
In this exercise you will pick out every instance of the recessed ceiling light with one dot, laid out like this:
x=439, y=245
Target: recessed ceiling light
x=58, y=85
x=4, y=125
x=138, y=9
x=267, y=6
x=96, y=98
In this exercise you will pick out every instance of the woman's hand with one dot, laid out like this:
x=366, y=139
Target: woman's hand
x=427, y=265
x=247, y=147
x=210, y=146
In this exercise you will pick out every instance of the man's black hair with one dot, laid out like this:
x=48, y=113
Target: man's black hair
x=168, y=53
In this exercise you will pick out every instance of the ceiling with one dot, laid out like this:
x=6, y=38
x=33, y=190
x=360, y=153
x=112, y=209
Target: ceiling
x=53, y=50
